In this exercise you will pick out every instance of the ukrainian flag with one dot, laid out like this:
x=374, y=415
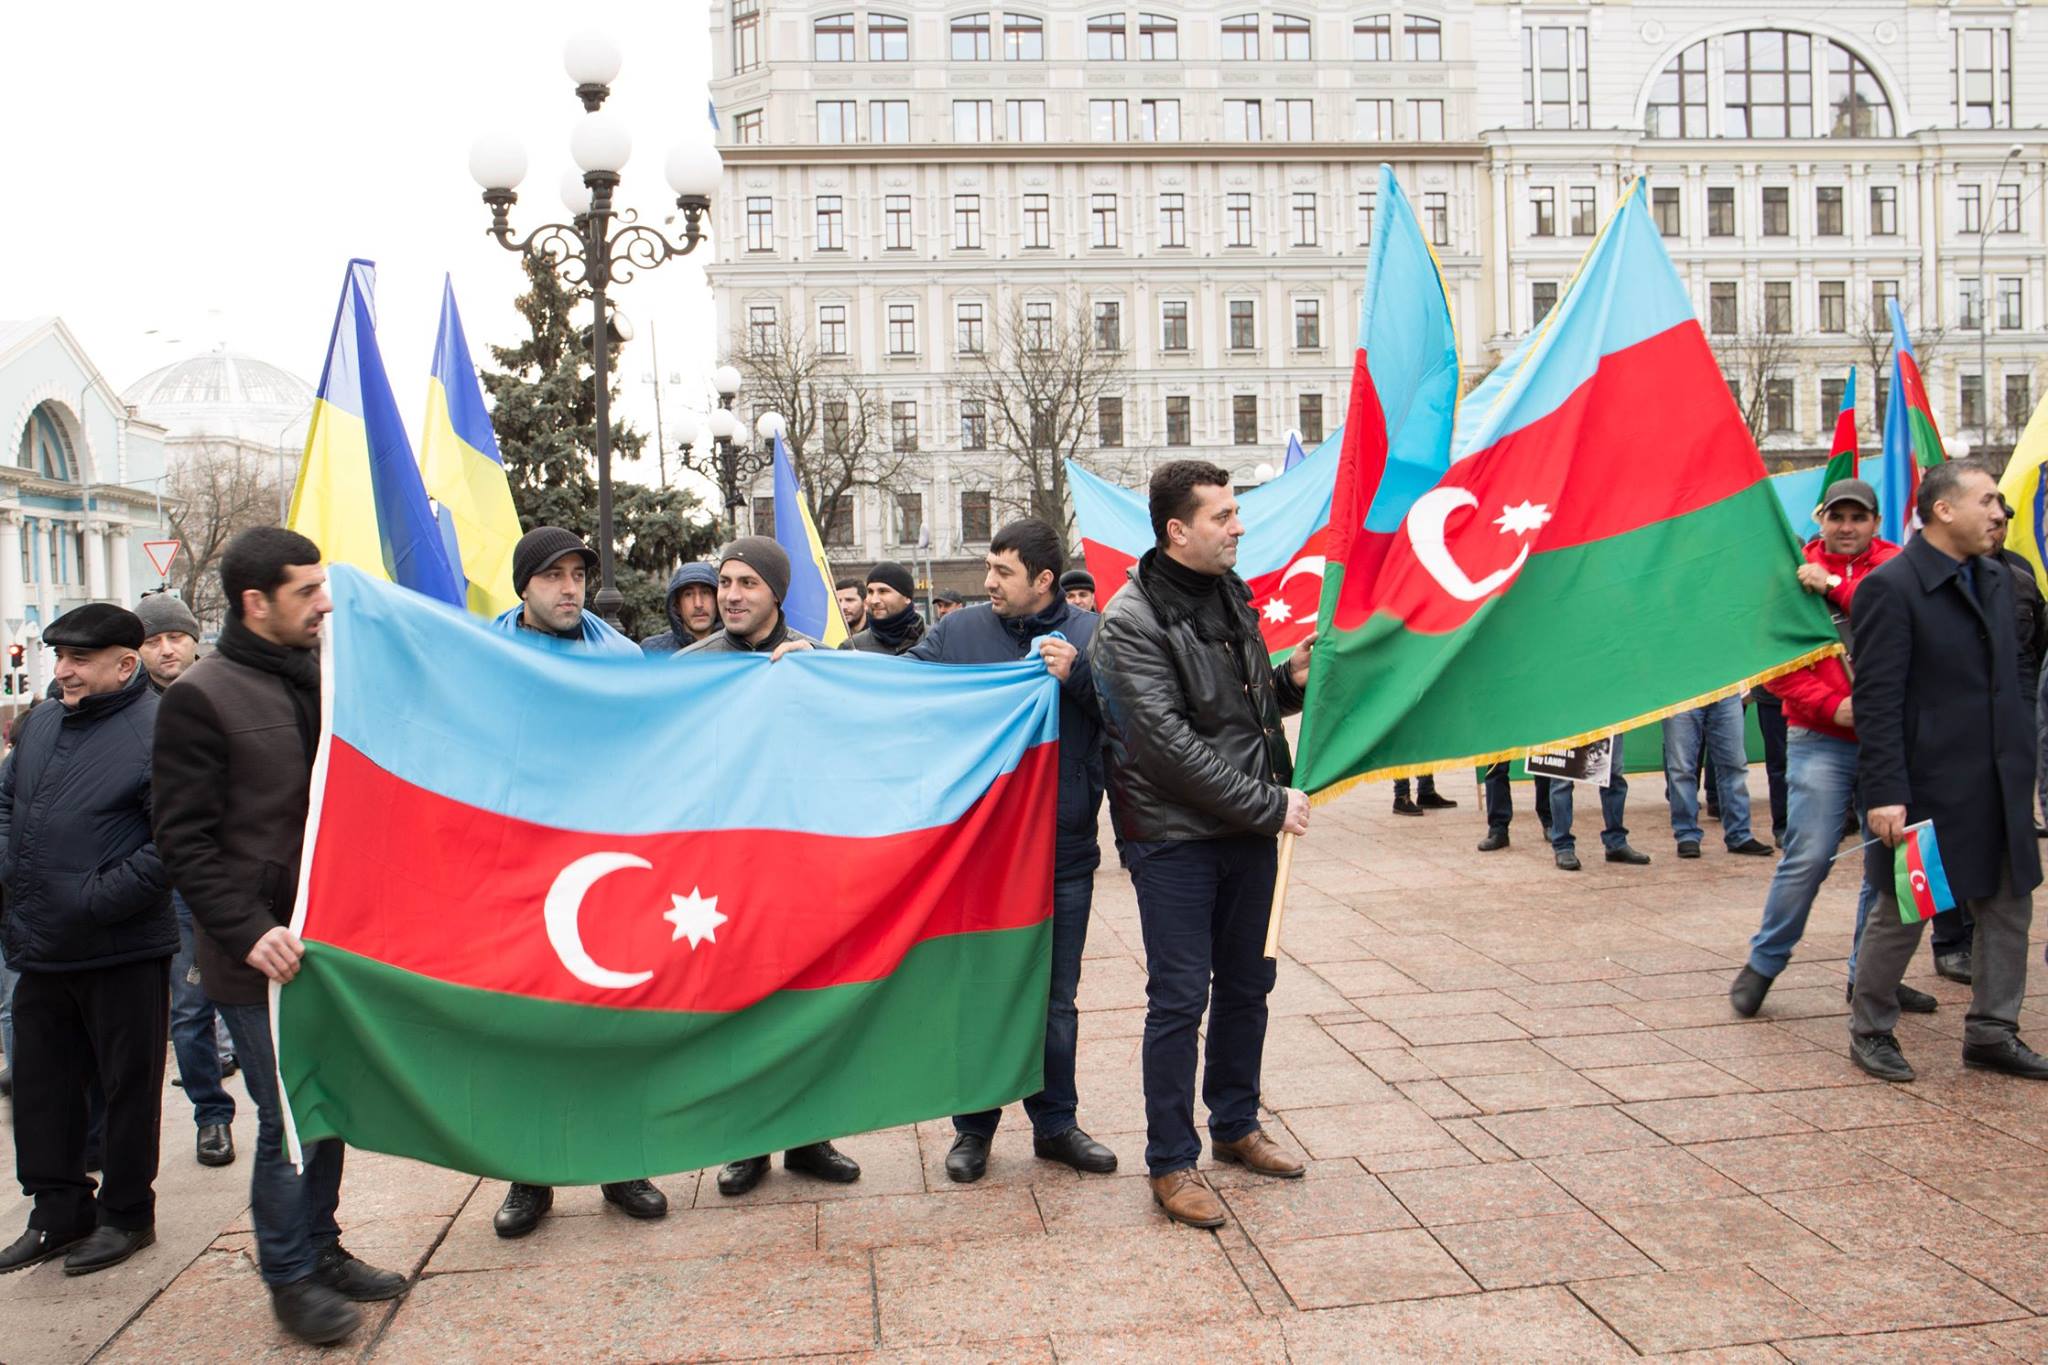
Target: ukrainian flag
x=465, y=474
x=359, y=495
x=810, y=605
x=2025, y=486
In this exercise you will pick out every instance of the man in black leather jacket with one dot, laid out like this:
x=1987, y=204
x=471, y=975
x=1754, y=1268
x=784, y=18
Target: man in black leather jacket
x=1200, y=782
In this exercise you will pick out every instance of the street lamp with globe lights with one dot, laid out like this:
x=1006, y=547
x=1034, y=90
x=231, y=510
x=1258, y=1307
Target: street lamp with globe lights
x=723, y=427
x=601, y=246
x=2012, y=153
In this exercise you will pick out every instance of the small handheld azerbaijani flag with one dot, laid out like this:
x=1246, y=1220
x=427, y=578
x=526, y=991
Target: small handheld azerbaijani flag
x=1919, y=880
x=809, y=605
x=464, y=472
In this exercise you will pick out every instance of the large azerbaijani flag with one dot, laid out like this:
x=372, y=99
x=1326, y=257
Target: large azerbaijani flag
x=1602, y=550
x=1911, y=440
x=574, y=919
x=465, y=474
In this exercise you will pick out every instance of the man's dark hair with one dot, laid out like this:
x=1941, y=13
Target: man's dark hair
x=1941, y=483
x=1173, y=491
x=1035, y=544
x=258, y=558
x=843, y=584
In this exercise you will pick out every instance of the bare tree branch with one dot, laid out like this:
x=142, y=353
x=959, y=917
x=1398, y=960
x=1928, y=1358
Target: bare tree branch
x=211, y=494
x=1752, y=360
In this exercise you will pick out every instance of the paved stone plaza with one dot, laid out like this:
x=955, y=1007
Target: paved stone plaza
x=1536, y=1132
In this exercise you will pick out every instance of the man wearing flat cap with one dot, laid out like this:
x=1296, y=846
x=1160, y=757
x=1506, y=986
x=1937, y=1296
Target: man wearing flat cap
x=945, y=602
x=90, y=929
x=893, y=623
x=551, y=572
x=1078, y=587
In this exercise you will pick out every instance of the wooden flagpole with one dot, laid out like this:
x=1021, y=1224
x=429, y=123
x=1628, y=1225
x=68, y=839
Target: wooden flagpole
x=1279, y=910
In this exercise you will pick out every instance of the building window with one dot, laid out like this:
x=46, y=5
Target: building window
x=974, y=120
x=746, y=128
x=1882, y=392
x=1026, y=119
x=1832, y=393
x=832, y=329
x=1970, y=392
x=1290, y=38
x=1834, y=306
x=1585, y=211
x=45, y=450
x=1294, y=120
x=888, y=38
x=1311, y=423
x=761, y=328
x=896, y=222
x=1244, y=331
x=838, y=430
x=836, y=121
x=1884, y=211
x=1372, y=39
x=1720, y=210
x=2019, y=400
x=2010, y=312
x=1106, y=38
x=909, y=517
x=1425, y=40
x=1970, y=208
x=1970, y=300
x=832, y=38
x=764, y=515
x=1724, y=308
x=1367, y=199
x=1426, y=120
x=1023, y=38
x=1372, y=120
x=1777, y=218
x=837, y=532
x=1158, y=38
x=1304, y=217
x=968, y=335
x=1769, y=84
x=1173, y=325
x=903, y=424
x=1109, y=120
x=746, y=35
x=1778, y=406
x=1827, y=211
x=1173, y=219
x=1241, y=122
x=760, y=223
x=1856, y=103
x=1109, y=325
x=902, y=329
x=971, y=38
x=1038, y=326
x=1159, y=120
x=1778, y=307
x=1664, y=208
x=1102, y=220
x=974, y=522
x=1037, y=220
x=1542, y=298
x=1436, y=216
x=1109, y=422
x=1543, y=207
x=1237, y=215
x=2007, y=211
x=1308, y=324
x=1678, y=98
x=888, y=120
x=1244, y=419
x=1883, y=294
x=1554, y=79
x=831, y=224
x=1983, y=68
x=1179, y=427
x=967, y=222
x=973, y=425
x=1241, y=38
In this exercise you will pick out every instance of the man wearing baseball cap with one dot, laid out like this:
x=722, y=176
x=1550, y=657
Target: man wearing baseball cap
x=551, y=572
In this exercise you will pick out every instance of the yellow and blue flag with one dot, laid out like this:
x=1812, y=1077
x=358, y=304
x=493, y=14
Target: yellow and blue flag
x=2025, y=486
x=464, y=472
x=359, y=495
x=810, y=605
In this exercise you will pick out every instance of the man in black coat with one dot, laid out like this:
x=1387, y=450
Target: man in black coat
x=1944, y=734
x=893, y=625
x=1025, y=605
x=89, y=927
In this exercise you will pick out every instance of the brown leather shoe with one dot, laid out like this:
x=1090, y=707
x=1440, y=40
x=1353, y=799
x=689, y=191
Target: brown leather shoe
x=1257, y=1152
x=1187, y=1198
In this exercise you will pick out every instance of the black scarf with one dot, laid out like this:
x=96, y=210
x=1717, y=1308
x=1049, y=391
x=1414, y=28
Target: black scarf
x=898, y=632
x=1209, y=601
x=300, y=669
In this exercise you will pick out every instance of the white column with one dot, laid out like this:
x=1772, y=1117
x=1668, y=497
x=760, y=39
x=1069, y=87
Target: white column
x=11, y=601
x=117, y=564
x=95, y=561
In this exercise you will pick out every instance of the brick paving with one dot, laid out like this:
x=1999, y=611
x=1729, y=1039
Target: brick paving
x=1535, y=1132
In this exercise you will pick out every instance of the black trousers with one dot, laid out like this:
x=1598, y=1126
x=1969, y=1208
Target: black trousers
x=113, y=1023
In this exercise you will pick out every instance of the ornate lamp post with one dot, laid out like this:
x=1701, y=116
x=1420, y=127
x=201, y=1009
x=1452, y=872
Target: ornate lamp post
x=724, y=427
x=602, y=246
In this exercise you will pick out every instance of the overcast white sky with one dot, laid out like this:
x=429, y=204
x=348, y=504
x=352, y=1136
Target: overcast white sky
x=206, y=170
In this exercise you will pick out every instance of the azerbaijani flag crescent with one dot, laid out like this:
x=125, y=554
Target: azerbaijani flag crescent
x=465, y=474
x=1919, y=881
x=575, y=919
x=359, y=495
x=1911, y=440
x=1603, y=549
x=810, y=604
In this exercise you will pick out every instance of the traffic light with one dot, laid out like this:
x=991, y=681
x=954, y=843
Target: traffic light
x=16, y=655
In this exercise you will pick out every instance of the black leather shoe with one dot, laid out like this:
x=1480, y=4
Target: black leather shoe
x=521, y=1212
x=1567, y=862
x=2010, y=1055
x=1075, y=1148
x=229, y=1066
x=1689, y=848
x=353, y=1279
x=216, y=1145
x=1748, y=992
x=313, y=1313
x=1432, y=801
x=36, y=1246
x=1954, y=966
x=823, y=1161
x=1404, y=805
x=106, y=1248
x=637, y=1198
x=967, y=1159
x=1880, y=1056
x=1627, y=854
x=1916, y=1002
x=1494, y=842
x=740, y=1176
x=1752, y=848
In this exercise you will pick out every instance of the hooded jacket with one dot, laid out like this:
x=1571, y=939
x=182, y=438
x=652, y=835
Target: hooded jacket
x=597, y=638
x=677, y=636
x=1814, y=693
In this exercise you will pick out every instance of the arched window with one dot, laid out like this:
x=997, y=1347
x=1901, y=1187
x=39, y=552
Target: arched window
x=888, y=38
x=1678, y=100
x=971, y=38
x=832, y=38
x=1290, y=38
x=45, y=448
x=1106, y=38
x=1023, y=38
x=1856, y=103
x=1372, y=39
x=1425, y=40
x=1241, y=38
x=1158, y=38
x=1768, y=83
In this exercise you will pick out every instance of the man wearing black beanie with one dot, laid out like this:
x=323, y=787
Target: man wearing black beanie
x=893, y=623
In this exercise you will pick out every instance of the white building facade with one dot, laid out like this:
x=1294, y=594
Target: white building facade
x=1199, y=179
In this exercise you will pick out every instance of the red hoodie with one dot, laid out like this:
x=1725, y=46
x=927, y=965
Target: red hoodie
x=1814, y=693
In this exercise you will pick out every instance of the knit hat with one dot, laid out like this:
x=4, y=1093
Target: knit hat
x=162, y=612
x=699, y=573
x=540, y=548
x=1077, y=578
x=96, y=625
x=764, y=557
x=894, y=575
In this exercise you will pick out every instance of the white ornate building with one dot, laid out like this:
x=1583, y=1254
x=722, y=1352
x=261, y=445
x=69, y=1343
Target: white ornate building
x=1200, y=176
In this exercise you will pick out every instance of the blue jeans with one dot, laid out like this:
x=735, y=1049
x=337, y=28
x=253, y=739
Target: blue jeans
x=8, y=976
x=1051, y=1110
x=1203, y=905
x=293, y=1211
x=192, y=1031
x=1820, y=779
x=1613, y=802
x=1721, y=724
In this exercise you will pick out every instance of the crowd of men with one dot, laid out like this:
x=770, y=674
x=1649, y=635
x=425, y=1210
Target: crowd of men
x=151, y=819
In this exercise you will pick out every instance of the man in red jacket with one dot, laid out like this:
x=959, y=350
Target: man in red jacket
x=1820, y=751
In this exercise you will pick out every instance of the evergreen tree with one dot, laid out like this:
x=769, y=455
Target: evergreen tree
x=544, y=411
